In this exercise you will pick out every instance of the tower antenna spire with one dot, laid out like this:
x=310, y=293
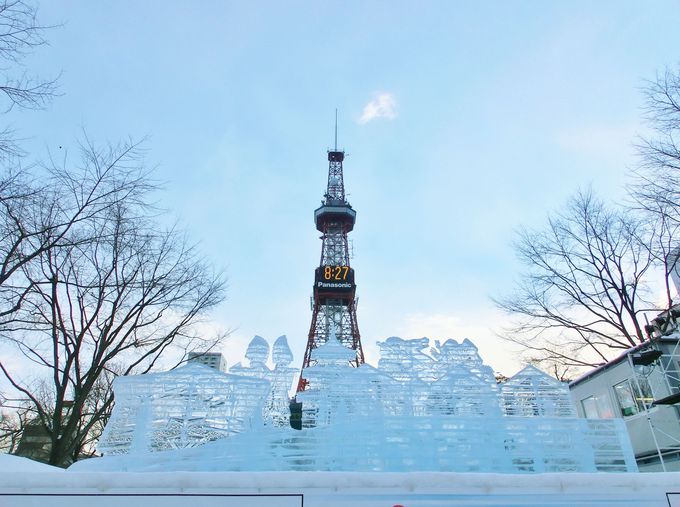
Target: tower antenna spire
x=336, y=129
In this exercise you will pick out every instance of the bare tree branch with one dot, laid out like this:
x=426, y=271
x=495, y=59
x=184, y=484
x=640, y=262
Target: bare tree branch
x=20, y=34
x=656, y=188
x=583, y=293
x=106, y=290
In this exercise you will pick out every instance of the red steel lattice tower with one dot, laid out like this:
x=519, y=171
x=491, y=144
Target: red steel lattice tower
x=334, y=302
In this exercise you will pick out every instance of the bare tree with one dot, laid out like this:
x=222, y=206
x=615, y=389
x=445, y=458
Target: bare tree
x=656, y=185
x=20, y=34
x=110, y=294
x=16, y=416
x=11, y=428
x=591, y=271
x=39, y=209
x=660, y=153
x=96, y=413
x=582, y=297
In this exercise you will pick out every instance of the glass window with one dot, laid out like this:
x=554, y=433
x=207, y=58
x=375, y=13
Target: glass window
x=624, y=395
x=590, y=408
x=645, y=397
x=631, y=400
x=596, y=407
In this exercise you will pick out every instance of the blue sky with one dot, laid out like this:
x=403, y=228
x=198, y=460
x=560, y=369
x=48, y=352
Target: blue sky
x=493, y=114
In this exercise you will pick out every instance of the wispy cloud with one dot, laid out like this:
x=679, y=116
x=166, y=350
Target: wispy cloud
x=384, y=105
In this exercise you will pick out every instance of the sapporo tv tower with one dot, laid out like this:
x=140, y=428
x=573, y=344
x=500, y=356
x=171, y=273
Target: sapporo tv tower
x=334, y=303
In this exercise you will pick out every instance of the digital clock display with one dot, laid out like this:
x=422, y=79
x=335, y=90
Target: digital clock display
x=335, y=272
x=334, y=279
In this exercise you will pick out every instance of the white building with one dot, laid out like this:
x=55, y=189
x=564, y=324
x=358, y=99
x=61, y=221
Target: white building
x=213, y=359
x=641, y=386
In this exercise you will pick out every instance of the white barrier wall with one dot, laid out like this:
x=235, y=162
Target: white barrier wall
x=334, y=489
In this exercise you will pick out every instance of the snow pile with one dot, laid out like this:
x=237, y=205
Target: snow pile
x=421, y=409
x=11, y=463
x=337, y=489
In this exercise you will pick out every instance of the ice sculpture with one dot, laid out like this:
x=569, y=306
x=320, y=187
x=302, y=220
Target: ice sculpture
x=331, y=395
x=257, y=355
x=451, y=379
x=275, y=407
x=424, y=408
x=185, y=407
x=533, y=393
x=404, y=360
x=277, y=411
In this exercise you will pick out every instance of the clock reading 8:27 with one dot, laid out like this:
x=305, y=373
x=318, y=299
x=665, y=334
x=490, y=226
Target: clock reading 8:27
x=335, y=272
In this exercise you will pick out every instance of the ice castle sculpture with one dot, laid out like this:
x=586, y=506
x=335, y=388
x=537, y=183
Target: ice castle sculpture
x=185, y=407
x=195, y=404
x=424, y=408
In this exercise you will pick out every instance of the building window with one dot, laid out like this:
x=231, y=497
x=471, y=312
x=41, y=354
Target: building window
x=631, y=400
x=590, y=408
x=596, y=407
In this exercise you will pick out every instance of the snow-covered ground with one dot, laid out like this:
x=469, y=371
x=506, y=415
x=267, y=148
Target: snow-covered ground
x=10, y=463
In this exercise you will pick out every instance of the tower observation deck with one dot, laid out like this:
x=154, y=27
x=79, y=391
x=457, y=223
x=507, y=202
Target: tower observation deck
x=334, y=292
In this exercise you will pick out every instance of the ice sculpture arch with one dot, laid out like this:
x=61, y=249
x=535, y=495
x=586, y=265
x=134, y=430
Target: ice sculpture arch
x=426, y=407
